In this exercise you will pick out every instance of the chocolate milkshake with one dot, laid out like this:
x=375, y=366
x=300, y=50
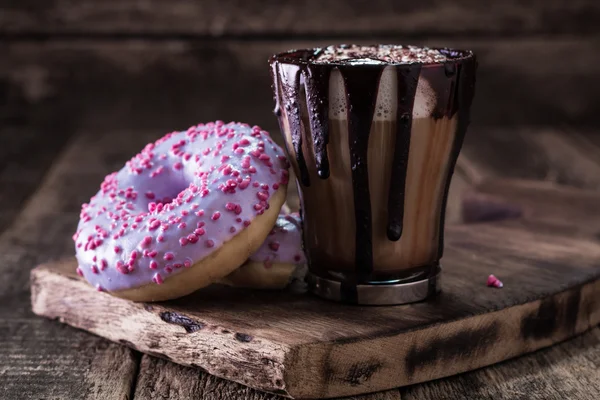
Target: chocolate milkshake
x=373, y=134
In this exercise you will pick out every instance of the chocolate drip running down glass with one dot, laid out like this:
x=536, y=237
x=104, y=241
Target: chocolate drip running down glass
x=373, y=134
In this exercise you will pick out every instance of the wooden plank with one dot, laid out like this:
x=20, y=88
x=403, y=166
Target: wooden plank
x=552, y=291
x=570, y=370
x=567, y=370
x=309, y=17
x=146, y=84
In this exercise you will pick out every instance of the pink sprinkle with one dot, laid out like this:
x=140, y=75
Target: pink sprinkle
x=117, y=249
x=182, y=225
x=187, y=263
x=150, y=195
x=244, y=184
x=103, y=264
x=263, y=196
x=227, y=170
x=169, y=256
x=99, y=288
x=158, y=279
x=216, y=215
x=492, y=281
x=178, y=165
x=160, y=238
x=146, y=241
x=232, y=229
x=79, y=271
x=201, y=224
x=191, y=238
x=177, y=265
x=210, y=243
x=153, y=264
x=274, y=246
x=200, y=213
x=122, y=268
x=247, y=223
x=154, y=225
x=275, y=186
x=152, y=254
x=199, y=232
x=244, y=142
x=183, y=241
x=230, y=206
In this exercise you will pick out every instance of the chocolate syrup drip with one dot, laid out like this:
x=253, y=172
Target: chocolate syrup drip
x=291, y=98
x=317, y=99
x=408, y=78
x=362, y=85
x=465, y=81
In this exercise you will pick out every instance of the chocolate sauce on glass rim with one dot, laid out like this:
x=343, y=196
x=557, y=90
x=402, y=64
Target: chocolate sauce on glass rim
x=301, y=86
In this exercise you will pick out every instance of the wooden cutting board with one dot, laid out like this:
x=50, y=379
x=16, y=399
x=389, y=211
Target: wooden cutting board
x=296, y=345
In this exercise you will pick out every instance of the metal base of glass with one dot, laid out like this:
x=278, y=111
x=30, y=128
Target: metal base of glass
x=417, y=287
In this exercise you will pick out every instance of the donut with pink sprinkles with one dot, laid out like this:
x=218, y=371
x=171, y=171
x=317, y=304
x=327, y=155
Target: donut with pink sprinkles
x=183, y=213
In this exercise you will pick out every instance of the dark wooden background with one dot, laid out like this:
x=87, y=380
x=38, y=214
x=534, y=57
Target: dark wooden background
x=85, y=83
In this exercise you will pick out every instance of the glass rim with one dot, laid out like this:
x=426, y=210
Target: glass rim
x=302, y=57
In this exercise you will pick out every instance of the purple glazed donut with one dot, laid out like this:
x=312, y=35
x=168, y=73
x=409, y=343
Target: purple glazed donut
x=183, y=213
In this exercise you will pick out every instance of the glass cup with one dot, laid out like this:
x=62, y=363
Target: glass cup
x=373, y=134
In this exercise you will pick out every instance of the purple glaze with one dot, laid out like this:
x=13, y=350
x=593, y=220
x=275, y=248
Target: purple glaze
x=284, y=243
x=176, y=202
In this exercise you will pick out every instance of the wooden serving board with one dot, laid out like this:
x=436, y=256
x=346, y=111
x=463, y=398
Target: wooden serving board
x=300, y=346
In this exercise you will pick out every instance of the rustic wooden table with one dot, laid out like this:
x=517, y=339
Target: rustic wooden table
x=45, y=359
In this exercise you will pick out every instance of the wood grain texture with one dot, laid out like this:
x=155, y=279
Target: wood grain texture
x=145, y=84
x=543, y=206
x=160, y=379
x=45, y=360
x=552, y=291
x=570, y=370
x=308, y=17
x=561, y=156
